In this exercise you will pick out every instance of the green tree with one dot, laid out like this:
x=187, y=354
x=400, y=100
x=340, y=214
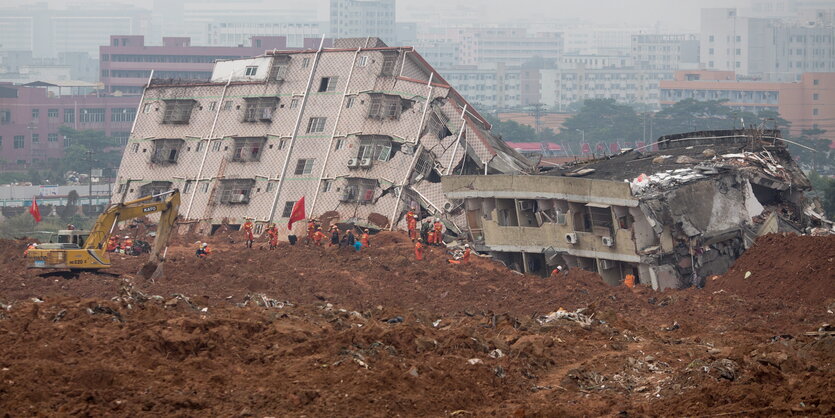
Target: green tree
x=601, y=120
x=691, y=115
x=106, y=151
x=511, y=130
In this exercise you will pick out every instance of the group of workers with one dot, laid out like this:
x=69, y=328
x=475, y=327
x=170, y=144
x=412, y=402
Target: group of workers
x=123, y=247
x=431, y=230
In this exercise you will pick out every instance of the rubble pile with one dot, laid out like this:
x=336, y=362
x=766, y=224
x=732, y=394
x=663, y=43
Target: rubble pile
x=323, y=332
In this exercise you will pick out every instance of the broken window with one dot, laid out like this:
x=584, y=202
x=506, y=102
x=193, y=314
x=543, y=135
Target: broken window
x=359, y=191
x=304, y=166
x=166, y=151
x=328, y=84
x=248, y=148
x=260, y=108
x=316, y=124
x=374, y=147
x=387, y=106
x=436, y=125
x=278, y=72
x=389, y=62
x=178, y=111
x=600, y=217
x=236, y=191
x=155, y=188
x=422, y=167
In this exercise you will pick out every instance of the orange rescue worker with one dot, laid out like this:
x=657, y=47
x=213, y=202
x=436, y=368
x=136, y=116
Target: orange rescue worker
x=311, y=229
x=411, y=222
x=466, y=257
x=31, y=246
x=364, y=238
x=318, y=236
x=127, y=244
x=203, y=250
x=629, y=281
x=272, y=232
x=248, y=232
x=113, y=244
x=437, y=231
x=419, y=250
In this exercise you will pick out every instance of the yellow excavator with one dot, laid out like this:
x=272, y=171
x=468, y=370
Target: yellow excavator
x=82, y=250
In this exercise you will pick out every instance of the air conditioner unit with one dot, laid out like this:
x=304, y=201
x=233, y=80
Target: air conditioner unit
x=365, y=162
x=353, y=162
x=608, y=241
x=571, y=238
x=526, y=205
x=608, y=264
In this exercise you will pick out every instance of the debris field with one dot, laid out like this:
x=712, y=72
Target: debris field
x=310, y=331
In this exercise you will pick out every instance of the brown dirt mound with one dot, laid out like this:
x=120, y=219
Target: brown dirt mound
x=788, y=267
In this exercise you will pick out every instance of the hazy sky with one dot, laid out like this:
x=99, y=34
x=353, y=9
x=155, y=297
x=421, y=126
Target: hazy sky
x=678, y=15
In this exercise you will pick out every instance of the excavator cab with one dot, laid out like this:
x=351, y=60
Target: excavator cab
x=66, y=239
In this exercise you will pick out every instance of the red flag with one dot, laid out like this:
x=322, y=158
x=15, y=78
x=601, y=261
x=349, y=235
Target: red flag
x=34, y=211
x=297, y=214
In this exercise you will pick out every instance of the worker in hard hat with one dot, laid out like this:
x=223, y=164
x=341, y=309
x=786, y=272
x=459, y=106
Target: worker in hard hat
x=272, y=233
x=112, y=243
x=437, y=232
x=629, y=281
x=127, y=245
x=419, y=249
x=311, y=230
x=557, y=271
x=318, y=236
x=465, y=258
x=411, y=224
x=247, y=228
x=364, y=238
x=203, y=250
x=31, y=246
x=334, y=236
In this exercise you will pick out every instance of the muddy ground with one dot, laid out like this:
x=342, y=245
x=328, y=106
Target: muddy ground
x=308, y=331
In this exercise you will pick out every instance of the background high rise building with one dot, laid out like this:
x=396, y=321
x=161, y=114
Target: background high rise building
x=363, y=18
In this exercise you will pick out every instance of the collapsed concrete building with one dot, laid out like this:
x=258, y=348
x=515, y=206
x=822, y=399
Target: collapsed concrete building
x=672, y=217
x=362, y=131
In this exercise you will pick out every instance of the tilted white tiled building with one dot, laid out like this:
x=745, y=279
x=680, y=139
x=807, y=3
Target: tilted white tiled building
x=362, y=131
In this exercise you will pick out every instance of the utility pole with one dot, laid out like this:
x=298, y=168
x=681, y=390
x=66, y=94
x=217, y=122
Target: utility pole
x=536, y=111
x=90, y=178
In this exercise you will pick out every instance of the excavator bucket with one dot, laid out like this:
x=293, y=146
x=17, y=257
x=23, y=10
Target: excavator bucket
x=151, y=271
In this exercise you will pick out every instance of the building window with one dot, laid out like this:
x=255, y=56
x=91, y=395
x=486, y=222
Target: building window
x=52, y=113
x=422, y=167
x=814, y=112
x=122, y=115
x=212, y=106
x=386, y=106
x=36, y=114
x=305, y=62
x=304, y=166
x=282, y=143
x=52, y=138
x=349, y=102
x=146, y=108
x=288, y=207
x=374, y=147
x=204, y=187
x=36, y=138
x=121, y=137
x=316, y=124
x=436, y=125
x=18, y=141
x=280, y=72
x=200, y=145
x=95, y=115
x=248, y=149
x=251, y=70
x=328, y=84
x=363, y=61
x=155, y=188
x=121, y=188
x=216, y=146
x=5, y=117
x=260, y=109
x=187, y=187
x=166, y=151
x=340, y=143
x=134, y=147
x=227, y=105
x=294, y=103
x=815, y=96
x=178, y=111
x=389, y=61
x=359, y=191
x=270, y=186
x=327, y=185
x=816, y=82
x=236, y=191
